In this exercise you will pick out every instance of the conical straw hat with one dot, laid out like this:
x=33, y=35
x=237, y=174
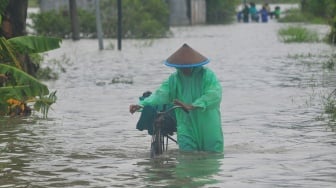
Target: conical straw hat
x=186, y=57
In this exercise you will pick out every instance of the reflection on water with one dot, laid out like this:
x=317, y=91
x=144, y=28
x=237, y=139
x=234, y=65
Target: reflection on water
x=269, y=109
x=184, y=170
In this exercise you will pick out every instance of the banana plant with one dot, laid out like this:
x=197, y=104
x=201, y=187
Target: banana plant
x=34, y=44
x=20, y=83
x=17, y=84
x=10, y=48
x=23, y=87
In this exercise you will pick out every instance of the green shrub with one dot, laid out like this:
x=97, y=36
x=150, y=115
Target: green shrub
x=57, y=23
x=330, y=63
x=332, y=34
x=87, y=24
x=325, y=9
x=276, y=1
x=330, y=106
x=33, y=3
x=221, y=11
x=140, y=19
x=297, y=34
x=296, y=15
x=316, y=7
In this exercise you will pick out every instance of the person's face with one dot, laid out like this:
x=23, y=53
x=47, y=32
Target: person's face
x=186, y=71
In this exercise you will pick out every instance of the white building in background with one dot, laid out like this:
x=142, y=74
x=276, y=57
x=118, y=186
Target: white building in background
x=182, y=12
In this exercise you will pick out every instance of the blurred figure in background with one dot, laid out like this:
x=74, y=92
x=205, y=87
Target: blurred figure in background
x=254, y=12
x=246, y=13
x=264, y=14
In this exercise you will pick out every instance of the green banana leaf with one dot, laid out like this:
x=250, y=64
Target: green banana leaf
x=34, y=44
x=12, y=92
x=7, y=53
x=25, y=85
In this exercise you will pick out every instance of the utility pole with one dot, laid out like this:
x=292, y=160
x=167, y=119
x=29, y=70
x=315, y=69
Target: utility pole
x=119, y=24
x=99, y=26
x=74, y=19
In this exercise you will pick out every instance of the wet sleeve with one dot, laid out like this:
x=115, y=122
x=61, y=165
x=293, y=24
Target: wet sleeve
x=212, y=95
x=159, y=97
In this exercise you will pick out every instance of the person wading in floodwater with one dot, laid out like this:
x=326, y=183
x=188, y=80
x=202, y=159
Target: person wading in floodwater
x=197, y=89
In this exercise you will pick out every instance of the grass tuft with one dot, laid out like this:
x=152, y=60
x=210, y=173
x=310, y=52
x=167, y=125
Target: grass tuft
x=297, y=34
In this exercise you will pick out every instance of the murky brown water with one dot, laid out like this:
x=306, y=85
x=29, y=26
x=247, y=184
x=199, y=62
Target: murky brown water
x=269, y=109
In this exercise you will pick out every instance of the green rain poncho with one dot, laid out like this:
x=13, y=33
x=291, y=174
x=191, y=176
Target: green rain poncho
x=200, y=129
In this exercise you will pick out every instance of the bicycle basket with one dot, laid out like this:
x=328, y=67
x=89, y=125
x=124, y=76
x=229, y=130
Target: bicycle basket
x=149, y=114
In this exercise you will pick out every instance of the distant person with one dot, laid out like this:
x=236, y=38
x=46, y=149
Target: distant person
x=239, y=16
x=264, y=14
x=277, y=12
x=268, y=8
x=254, y=12
x=246, y=13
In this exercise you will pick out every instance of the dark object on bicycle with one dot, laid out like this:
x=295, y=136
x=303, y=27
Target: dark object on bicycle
x=145, y=94
x=150, y=113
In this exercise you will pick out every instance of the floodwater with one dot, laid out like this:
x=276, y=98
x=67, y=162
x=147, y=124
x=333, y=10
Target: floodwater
x=270, y=116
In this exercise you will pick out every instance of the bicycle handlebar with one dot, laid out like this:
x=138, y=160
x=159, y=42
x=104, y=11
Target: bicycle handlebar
x=173, y=108
x=166, y=111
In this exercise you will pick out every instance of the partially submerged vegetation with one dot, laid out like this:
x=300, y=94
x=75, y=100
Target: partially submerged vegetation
x=52, y=68
x=141, y=19
x=21, y=92
x=327, y=62
x=295, y=15
x=320, y=12
x=276, y=1
x=330, y=106
x=323, y=65
x=330, y=101
x=297, y=34
x=220, y=11
x=316, y=12
x=17, y=87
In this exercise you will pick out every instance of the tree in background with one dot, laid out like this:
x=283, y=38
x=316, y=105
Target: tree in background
x=331, y=11
x=325, y=9
x=221, y=11
x=14, y=17
x=14, y=24
x=141, y=19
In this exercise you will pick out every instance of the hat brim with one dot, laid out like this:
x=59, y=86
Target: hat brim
x=186, y=65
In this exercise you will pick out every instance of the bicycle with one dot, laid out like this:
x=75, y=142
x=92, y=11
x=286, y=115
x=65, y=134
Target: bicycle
x=162, y=132
x=159, y=121
x=162, y=128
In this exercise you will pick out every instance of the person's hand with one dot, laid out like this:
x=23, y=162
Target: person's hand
x=134, y=107
x=183, y=105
